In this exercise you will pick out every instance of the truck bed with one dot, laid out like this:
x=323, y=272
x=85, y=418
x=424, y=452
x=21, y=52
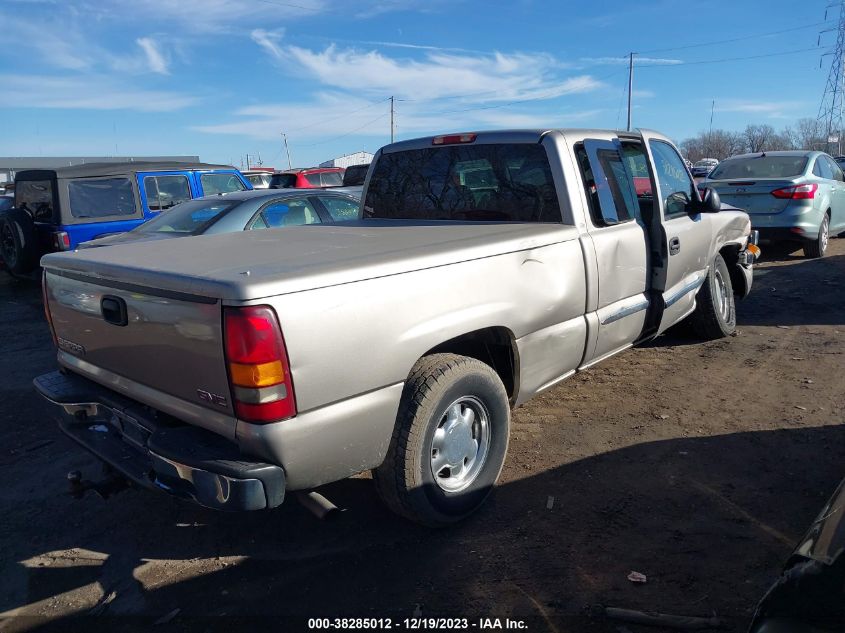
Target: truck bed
x=258, y=264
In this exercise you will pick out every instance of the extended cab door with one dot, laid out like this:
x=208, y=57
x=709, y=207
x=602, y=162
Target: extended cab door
x=684, y=236
x=621, y=244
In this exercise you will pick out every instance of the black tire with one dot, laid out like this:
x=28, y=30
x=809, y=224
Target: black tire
x=406, y=481
x=817, y=247
x=18, y=247
x=713, y=319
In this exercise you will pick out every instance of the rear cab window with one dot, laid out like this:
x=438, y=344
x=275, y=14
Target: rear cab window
x=101, y=198
x=222, y=182
x=36, y=197
x=497, y=182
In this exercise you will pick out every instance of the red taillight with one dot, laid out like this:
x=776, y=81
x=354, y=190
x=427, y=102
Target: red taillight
x=47, y=306
x=797, y=192
x=61, y=241
x=259, y=372
x=453, y=139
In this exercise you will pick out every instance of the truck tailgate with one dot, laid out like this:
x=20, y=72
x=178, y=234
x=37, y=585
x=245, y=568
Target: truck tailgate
x=166, y=341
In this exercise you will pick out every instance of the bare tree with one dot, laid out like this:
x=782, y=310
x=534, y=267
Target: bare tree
x=758, y=137
x=809, y=134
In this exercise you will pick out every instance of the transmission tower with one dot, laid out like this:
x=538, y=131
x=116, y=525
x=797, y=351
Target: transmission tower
x=830, y=110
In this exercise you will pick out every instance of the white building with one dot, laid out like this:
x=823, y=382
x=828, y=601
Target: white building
x=358, y=158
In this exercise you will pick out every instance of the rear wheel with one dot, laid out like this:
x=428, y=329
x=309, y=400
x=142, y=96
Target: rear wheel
x=17, y=242
x=818, y=246
x=715, y=310
x=449, y=443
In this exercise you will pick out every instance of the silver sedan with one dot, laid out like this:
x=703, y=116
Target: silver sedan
x=242, y=211
x=794, y=196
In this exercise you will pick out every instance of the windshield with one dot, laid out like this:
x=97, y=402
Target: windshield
x=760, y=167
x=496, y=182
x=190, y=218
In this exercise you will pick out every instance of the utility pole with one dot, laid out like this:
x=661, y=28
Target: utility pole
x=391, y=120
x=630, y=86
x=247, y=162
x=285, y=138
x=831, y=107
x=710, y=133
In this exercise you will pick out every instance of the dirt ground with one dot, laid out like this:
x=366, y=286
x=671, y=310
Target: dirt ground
x=696, y=464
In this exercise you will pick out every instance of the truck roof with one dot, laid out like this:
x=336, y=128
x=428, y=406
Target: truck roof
x=91, y=170
x=512, y=136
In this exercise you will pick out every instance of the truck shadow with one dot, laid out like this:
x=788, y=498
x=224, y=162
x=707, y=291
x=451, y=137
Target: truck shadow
x=543, y=548
x=802, y=292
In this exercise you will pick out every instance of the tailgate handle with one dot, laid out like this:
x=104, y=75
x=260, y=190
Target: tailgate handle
x=114, y=310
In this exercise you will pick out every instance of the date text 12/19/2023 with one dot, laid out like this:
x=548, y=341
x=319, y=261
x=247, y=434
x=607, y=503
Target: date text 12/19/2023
x=416, y=624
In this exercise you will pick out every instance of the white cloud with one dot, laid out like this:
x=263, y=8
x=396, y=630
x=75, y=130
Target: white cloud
x=438, y=74
x=155, y=60
x=88, y=93
x=269, y=41
x=623, y=61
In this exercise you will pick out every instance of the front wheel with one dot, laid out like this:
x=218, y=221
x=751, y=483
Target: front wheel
x=449, y=443
x=818, y=246
x=715, y=309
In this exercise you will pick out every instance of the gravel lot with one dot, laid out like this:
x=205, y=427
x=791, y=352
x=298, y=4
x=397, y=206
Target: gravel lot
x=698, y=465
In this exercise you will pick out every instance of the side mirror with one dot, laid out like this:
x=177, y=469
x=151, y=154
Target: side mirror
x=710, y=202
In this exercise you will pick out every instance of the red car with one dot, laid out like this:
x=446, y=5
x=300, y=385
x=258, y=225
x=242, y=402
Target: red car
x=314, y=178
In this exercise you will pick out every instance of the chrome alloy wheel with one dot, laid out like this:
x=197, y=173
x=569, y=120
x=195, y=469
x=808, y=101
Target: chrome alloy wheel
x=460, y=445
x=723, y=305
x=825, y=233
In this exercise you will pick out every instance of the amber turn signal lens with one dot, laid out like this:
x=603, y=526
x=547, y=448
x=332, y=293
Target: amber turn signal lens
x=260, y=375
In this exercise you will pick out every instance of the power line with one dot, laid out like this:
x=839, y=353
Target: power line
x=728, y=59
x=345, y=134
x=340, y=116
x=736, y=39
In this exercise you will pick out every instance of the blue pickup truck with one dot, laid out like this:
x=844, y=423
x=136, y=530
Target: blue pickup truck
x=57, y=209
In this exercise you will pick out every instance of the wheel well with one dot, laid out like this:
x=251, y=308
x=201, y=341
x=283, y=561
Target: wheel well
x=495, y=346
x=730, y=253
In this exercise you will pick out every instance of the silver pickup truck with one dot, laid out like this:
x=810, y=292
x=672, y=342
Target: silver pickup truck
x=486, y=268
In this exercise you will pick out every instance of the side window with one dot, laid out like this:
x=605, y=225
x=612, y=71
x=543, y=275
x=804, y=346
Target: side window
x=608, y=184
x=830, y=168
x=817, y=168
x=286, y=212
x=673, y=181
x=313, y=180
x=837, y=171
x=100, y=197
x=340, y=208
x=165, y=191
x=220, y=183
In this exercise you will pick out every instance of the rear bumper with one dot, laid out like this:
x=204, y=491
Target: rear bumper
x=796, y=222
x=184, y=461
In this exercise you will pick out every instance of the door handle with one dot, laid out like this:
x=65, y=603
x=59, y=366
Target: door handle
x=674, y=246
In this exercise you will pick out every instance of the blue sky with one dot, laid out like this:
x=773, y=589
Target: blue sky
x=223, y=78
